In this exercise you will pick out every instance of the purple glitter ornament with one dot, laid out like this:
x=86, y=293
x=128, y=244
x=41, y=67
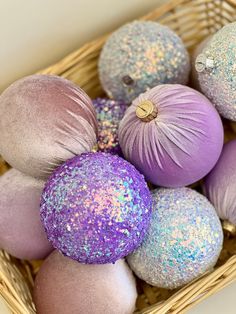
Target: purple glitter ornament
x=109, y=113
x=172, y=134
x=96, y=208
x=220, y=184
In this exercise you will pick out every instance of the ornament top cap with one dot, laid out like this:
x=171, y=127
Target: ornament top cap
x=203, y=63
x=146, y=111
x=229, y=227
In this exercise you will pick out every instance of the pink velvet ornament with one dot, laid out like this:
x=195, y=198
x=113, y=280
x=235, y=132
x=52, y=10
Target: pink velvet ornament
x=21, y=232
x=45, y=120
x=220, y=184
x=64, y=286
x=172, y=134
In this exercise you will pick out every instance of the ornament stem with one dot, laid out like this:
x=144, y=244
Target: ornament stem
x=229, y=227
x=204, y=63
x=146, y=111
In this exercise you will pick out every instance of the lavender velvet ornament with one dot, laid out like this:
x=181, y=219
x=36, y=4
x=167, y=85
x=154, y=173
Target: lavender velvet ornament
x=96, y=208
x=64, y=286
x=172, y=134
x=45, y=121
x=21, y=231
x=109, y=113
x=220, y=184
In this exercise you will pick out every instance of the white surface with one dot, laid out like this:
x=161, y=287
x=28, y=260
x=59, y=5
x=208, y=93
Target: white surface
x=222, y=302
x=37, y=33
x=3, y=307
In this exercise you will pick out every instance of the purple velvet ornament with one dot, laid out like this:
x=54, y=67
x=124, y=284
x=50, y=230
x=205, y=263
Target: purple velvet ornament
x=109, y=113
x=220, y=184
x=96, y=208
x=172, y=134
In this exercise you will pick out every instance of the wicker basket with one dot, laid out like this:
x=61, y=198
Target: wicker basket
x=192, y=20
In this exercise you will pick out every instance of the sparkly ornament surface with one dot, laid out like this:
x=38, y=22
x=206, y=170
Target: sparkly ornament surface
x=109, y=113
x=172, y=134
x=96, y=208
x=216, y=67
x=139, y=56
x=194, y=74
x=220, y=184
x=184, y=239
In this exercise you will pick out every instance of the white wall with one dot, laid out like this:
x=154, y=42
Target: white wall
x=36, y=33
x=222, y=302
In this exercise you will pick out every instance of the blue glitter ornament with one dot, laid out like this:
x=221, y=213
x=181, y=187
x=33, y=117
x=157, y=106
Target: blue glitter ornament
x=184, y=239
x=216, y=67
x=139, y=56
x=96, y=208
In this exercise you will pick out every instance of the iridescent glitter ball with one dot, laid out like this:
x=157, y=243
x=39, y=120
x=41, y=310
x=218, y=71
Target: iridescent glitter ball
x=96, y=208
x=109, y=113
x=183, y=241
x=139, y=56
x=216, y=67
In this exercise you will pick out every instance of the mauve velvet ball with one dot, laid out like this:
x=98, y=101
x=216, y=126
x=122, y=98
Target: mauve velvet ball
x=64, y=286
x=21, y=232
x=181, y=141
x=220, y=184
x=45, y=120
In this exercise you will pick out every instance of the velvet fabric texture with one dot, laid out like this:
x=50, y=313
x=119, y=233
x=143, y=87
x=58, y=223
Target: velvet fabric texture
x=64, y=286
x=45, y=120
x=178, y=147
x=220, y=184
x=21, y=231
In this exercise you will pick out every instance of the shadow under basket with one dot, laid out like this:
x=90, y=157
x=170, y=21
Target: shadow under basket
x=192, y=21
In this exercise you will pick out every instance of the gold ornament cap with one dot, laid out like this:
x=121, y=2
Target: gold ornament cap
x=229, y=228
x=146, y=111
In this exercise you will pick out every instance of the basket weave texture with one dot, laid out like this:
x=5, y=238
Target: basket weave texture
x=192, y=20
